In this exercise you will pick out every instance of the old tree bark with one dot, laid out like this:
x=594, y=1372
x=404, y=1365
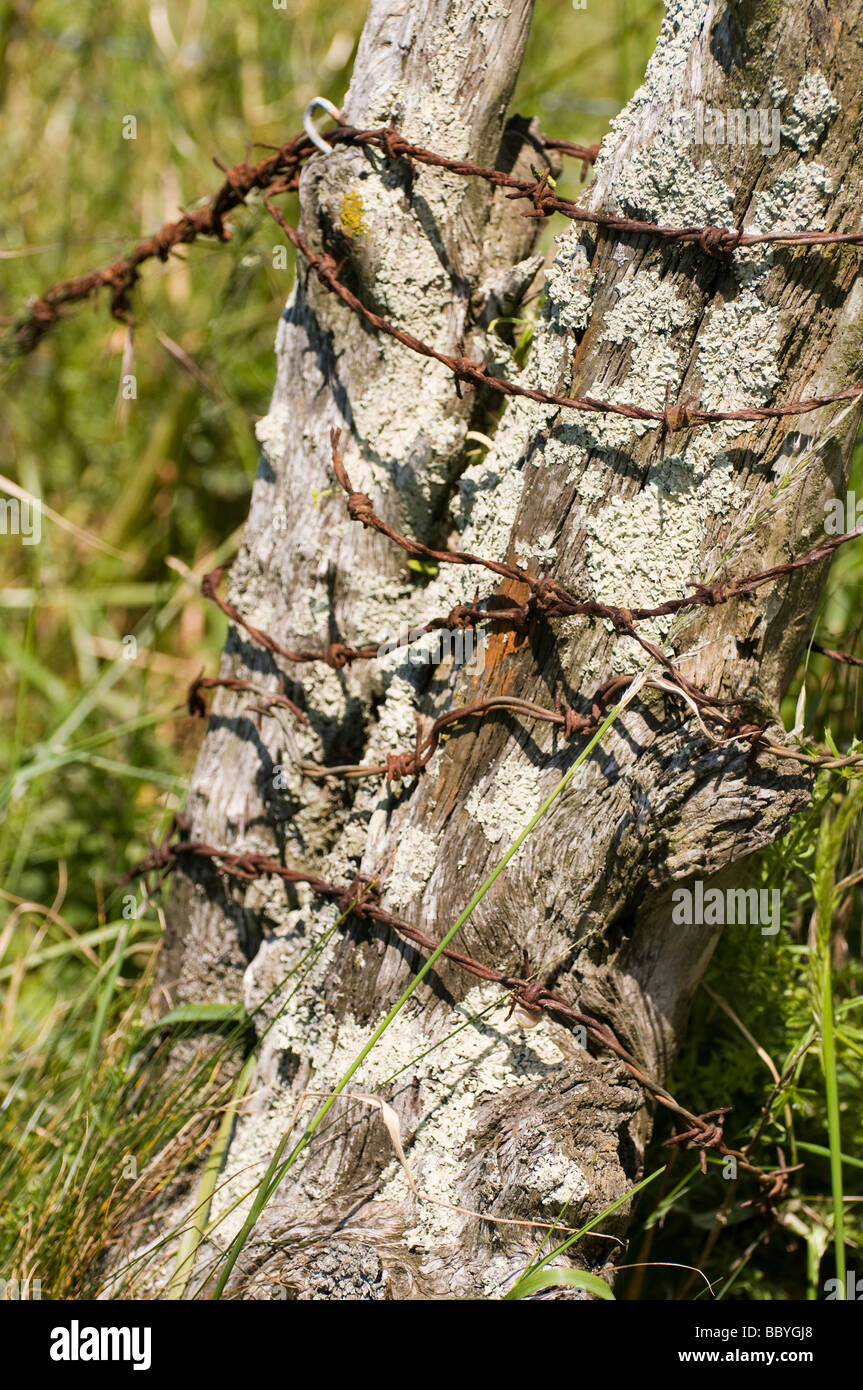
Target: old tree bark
x=495, y=1119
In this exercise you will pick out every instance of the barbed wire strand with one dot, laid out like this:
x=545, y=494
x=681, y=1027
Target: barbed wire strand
x=531, y=998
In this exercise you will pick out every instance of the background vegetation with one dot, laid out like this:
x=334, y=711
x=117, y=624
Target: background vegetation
x=96, y=748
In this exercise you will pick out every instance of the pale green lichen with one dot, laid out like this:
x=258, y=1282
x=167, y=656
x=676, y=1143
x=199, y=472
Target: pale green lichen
x=776, y=91
x=505, y=808
x=664, y=78
x=569, y=306
x=660, y=183
x=649, y=546
x=795, y=201
x=558, y=1180
x=737, y=355
x=536, y=552
x=479, y=1056
x=484, y=1058
x=413, y=865
x=647, y=314
x=813, y=109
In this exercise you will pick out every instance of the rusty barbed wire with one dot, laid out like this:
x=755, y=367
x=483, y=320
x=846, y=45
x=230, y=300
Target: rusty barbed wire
x=412, y=762
x=718, y=242
x=120, y=277
x=197, y=707
x=845, y=658
x=512, y=616
x=280, y=174
x=548, y=600
x=336, y=654
x=529, y=997
x=683, y=415
x=515, y=617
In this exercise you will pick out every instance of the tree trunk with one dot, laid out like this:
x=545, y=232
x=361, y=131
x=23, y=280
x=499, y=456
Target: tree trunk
x=496, y=1119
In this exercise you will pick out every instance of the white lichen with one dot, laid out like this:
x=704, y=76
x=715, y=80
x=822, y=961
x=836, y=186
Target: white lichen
x=274, y=429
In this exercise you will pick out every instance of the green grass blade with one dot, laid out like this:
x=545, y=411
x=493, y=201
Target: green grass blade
x=194, y=1233
x=555, y=1278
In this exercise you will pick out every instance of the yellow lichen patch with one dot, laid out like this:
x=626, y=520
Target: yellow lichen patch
x=351, y=213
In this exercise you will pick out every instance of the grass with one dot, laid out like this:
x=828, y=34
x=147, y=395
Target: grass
x=79, y=1157
x=96, y=748
x=772, y=1034
x=830, y=840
